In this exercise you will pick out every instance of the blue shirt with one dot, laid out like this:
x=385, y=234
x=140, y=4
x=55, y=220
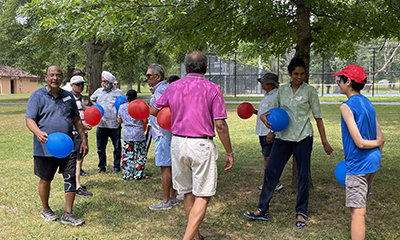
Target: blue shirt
x=156, y=130
x=106, y=99
x=361, y=161
x=51, y=115
x=132, y=129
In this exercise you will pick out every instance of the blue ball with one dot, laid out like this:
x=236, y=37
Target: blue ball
x=340, y=173
x=119, y=102
x=278, y=118
x=100, y=108
x=59, y=144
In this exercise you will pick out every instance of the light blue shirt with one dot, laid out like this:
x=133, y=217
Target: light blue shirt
x=265, y=105
x=156, y=130
x=132, y=129
x=106, y=99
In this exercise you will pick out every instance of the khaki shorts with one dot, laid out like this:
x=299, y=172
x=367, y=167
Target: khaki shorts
x=194, y=166
x=357, y=189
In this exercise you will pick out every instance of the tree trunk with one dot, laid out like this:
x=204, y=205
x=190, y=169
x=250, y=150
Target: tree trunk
x=304, y=38
x=303, y=49
x=129, y=79
x=71, y=58
x=95, y=49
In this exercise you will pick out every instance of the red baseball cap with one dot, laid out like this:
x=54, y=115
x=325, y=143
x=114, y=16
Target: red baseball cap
x=354, y=72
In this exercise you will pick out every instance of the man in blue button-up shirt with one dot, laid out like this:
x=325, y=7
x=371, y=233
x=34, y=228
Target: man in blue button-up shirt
x=108, y=126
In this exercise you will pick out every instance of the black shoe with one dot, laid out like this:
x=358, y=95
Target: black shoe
x=82, y=192
x=99, y=171
x=115, y=171
x=84, y=174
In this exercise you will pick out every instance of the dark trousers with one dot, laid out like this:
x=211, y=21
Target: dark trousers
x=102, y=135
x=280, y=154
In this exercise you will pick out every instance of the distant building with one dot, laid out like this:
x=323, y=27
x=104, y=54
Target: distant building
x=16, y=81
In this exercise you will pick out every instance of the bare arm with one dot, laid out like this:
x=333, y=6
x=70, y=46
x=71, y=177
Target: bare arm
x=321, y=129
x=119, y=120
x=223, y=134
x=33, y=127
x=154, y=111
x=379, y=135
x=81, y=131
x=348, y=117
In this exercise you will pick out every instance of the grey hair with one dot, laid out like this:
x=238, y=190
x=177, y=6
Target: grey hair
x=158, y=69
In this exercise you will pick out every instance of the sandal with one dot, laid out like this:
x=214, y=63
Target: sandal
x=263, y=215
x=300, y=222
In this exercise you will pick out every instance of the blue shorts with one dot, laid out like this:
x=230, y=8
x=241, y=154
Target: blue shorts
x=162, y=150
x=265, y=147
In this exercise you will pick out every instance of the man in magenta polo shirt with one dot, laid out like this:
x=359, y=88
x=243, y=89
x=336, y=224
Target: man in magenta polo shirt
x=196, y=106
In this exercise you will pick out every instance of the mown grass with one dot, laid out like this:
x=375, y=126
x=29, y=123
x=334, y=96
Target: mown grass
x=119, y=209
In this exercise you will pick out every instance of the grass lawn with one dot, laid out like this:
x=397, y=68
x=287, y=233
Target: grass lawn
x=119, y=209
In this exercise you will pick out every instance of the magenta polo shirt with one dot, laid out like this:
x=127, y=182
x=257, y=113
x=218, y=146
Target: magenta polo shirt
x=195, y=103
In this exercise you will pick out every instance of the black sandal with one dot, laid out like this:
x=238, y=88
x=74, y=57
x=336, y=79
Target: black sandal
x=301, y=221
x=263, y=215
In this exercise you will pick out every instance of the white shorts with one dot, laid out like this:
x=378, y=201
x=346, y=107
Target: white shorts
x=194, y=166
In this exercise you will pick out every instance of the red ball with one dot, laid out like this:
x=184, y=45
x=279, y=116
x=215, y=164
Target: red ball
x=164, y=118
x=138, y=109
x=92, y=116
x=245, y=110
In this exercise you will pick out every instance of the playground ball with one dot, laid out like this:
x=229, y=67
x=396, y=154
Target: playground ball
x=100, y=108
x=164, y=118
x=340, y=173
x=119, y=101
x=138, y=109
x=92, y=116
x=59, y=144
x=278, y=118
x=245, y=110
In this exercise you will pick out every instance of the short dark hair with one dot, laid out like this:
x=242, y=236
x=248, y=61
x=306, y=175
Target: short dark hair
x=357, y=86
x=294, y=63
x=354, y=85
x=131, y=95
x=78, y=72
x=196, y=62
x=158, y=69
x=173, y=78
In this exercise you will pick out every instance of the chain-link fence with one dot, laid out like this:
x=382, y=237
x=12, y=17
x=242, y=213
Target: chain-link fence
x=234, y=77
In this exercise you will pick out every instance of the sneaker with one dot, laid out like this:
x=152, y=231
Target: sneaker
x=174, y=201
x=115, y=171
x=82, y=192
x=71, y=219
x=180, y=196
x=161, y=206
x=99, y=171
x=49, y=215
x=278, y=186
x=84, y=174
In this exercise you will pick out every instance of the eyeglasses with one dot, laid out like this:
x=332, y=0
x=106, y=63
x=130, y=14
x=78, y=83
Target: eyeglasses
x=115, y=84
x=149, y=75
x=79, y=84
x=55, y=75
x=341, y=79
